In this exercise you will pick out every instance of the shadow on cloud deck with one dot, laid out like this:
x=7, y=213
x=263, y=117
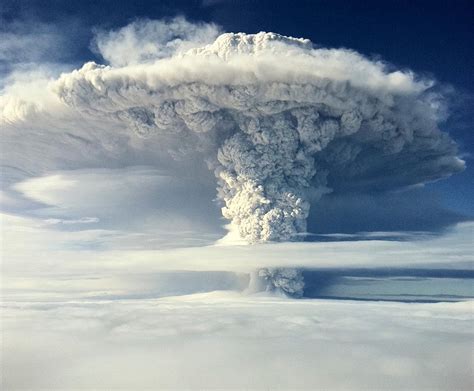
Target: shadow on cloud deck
x=390, y=284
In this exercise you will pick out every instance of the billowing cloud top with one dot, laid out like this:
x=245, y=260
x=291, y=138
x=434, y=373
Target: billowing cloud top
x=279, y=121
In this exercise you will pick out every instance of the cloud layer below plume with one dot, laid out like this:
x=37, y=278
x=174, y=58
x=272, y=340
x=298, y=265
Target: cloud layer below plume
x=213, y=339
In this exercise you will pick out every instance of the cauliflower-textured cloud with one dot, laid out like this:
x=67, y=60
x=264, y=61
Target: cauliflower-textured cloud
x=279, y=122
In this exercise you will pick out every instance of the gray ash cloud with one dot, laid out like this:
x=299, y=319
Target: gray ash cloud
x=278, y=121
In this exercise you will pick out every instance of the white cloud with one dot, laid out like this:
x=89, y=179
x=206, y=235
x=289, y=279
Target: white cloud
x=134, y=199
x=82, y=220
x=229, y=341
x=149, y=40
x=35, y=252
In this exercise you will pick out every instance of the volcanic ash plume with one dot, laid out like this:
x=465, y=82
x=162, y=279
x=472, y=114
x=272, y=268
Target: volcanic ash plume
x=288, y=282
x=279, y=122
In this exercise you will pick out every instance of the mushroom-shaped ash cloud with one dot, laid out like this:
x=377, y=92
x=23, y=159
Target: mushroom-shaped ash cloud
x=279, y=121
